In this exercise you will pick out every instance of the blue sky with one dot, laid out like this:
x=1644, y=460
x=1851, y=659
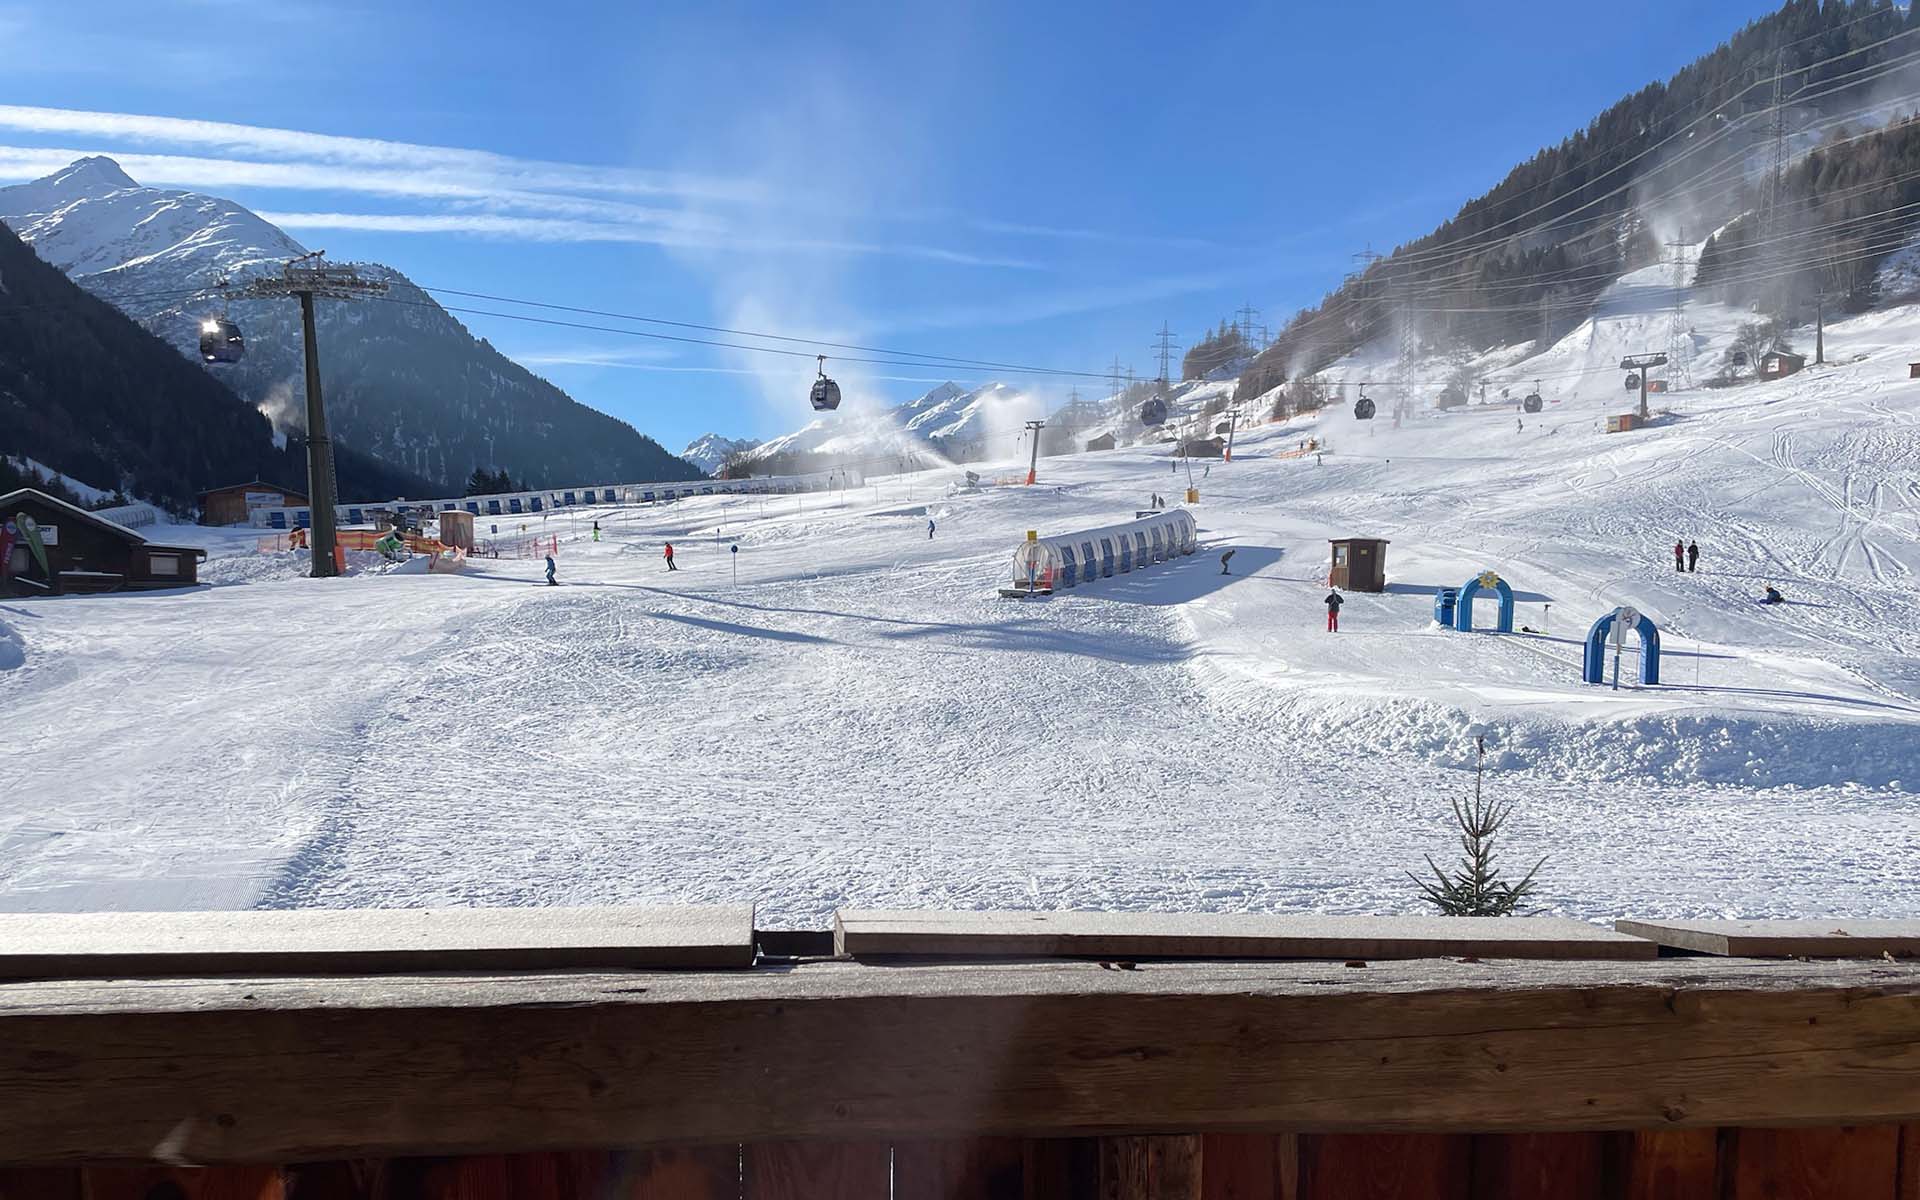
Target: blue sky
x=1018, y=183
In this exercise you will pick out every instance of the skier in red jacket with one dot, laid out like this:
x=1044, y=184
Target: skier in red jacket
x=1679, y=556
x=669, y=558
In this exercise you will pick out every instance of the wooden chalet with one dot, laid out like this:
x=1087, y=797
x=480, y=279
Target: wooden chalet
x=87, y=553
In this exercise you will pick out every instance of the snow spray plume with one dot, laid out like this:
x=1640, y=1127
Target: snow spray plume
x=819, y=146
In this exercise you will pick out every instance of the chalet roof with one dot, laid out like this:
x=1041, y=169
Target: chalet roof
x=261, y=483
x=54, y=502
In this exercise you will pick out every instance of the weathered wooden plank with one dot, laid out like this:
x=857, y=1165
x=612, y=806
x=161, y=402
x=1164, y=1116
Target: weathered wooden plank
x=959, y=1169
x=182, y=1183
x=1249, y=1166
x=816, y=1170
x=340, y=941
x=1673, y=1164
x=1154, y=1167
x=276, y=1071
x=1371, y=1166
x=912, y=933
x=1851, y=1163
x=1831, y=938
x=1524, y=1166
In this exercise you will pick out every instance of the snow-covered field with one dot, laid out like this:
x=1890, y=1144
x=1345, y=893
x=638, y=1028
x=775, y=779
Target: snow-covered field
x=861, y=721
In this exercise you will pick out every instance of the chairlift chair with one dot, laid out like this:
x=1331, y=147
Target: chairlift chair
x=825, y=396
x=220, y=340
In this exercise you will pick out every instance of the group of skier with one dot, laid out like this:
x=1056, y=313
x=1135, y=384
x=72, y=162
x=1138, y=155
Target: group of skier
x=1685, y=555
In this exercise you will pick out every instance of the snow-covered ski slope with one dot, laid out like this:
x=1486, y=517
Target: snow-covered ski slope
x=860, y=721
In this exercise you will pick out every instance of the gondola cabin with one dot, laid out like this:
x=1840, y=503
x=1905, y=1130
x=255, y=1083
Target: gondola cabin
x=1532, y=403
x=825, y=396
x=1363, y=409
x=220, y=341
x=1153, y=412
x=1359, y=564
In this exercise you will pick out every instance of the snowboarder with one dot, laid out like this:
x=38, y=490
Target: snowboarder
x=1519, y=426
x=1679, y=556
x=1173, y=468
x=1206, y=470
x=551, y=581
x=669, y=558
x=1693, y=554
x=1334, y=601
x=1773, y=596
x=929, y=528
x=596, y=531
x=1316, y=460
x=1224, y=559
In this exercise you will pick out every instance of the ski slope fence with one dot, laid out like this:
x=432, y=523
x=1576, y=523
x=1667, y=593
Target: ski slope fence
x=546, y=500
x=1067, y=559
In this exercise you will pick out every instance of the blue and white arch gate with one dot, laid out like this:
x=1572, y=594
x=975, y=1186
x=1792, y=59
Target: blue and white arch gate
x=1593, y=663
x=1463, y=607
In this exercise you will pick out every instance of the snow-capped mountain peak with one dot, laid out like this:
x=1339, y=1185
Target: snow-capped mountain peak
x=407, y=383
x=710, y=451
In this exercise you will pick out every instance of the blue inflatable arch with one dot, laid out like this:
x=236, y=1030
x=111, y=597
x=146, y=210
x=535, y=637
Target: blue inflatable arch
x=1463, y=608
x=1593, y=663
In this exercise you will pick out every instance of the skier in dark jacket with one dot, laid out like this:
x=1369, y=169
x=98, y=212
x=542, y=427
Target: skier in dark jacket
x=669, y=558
x=1693, y=554
x=551, y=581
x=929, y=528
x=1679, y=556
x=1334, y=601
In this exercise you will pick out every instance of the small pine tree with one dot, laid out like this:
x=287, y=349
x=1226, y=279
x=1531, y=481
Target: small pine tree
x=1474, y=888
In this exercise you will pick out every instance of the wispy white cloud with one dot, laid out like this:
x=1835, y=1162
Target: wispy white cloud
x=1069, y=302
x=259, y=141
x=463, y=192
x=553, y=229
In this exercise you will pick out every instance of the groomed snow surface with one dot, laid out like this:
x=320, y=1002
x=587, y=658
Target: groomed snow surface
x=861, y=721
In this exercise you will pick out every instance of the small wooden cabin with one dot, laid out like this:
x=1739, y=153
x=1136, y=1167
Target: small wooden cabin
x=1102, y=442
x=1359, y=564
x=1777, y=364
x=87, y=552
x=234, y=504
x=456, y=529
x=1624, y=423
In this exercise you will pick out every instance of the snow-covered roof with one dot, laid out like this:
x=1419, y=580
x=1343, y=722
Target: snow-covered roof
x=54, y=502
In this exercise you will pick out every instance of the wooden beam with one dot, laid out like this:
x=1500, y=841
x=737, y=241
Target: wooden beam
x=1829, y=938
x=307, y=1069
x=978, y=935
x=346, y=941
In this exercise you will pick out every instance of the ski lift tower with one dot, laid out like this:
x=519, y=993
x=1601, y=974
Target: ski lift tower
x=307, y=277
x=1640, y=363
